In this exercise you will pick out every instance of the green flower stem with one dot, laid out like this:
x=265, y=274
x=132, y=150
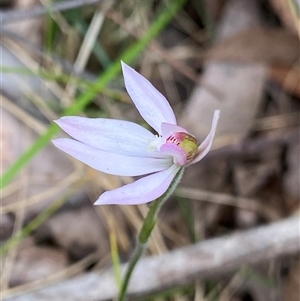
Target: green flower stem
x=145, y=233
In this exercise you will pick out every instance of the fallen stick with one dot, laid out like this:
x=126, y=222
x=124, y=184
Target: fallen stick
x=255, y=146
x=209, y=259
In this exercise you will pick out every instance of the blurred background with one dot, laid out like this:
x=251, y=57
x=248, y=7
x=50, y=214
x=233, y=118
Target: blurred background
x=63, y=58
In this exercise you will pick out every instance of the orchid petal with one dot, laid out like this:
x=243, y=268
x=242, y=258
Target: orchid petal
x=116, y=164
x=151, y=104
x=205, y=146
x=178, y=154
x=114, y=136
x=168, y=129
x=141, y=191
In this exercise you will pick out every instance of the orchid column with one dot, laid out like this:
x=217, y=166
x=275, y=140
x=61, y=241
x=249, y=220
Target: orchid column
x=124, y=148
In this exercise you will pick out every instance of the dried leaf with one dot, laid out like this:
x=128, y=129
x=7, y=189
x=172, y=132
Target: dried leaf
x=235, y=89
x=273, y=46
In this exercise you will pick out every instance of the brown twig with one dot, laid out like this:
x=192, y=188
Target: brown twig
x=256, y=145
x=208, y=259
x=228, y=200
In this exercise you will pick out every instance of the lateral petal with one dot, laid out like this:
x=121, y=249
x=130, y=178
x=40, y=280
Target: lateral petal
x=151, y=104
x=141, y=191
x=205, y=146
x=115, y=136
x=116, y=164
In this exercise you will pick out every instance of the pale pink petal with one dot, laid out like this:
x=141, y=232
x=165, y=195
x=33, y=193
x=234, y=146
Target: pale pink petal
x=151, y=104
x=115, y=136
x=116, y=164
x=141, y=191
x=179, y=156
x=205, y=146
x=168, y=129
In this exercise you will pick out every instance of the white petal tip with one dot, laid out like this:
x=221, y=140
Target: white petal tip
x=54, y=141
x=125, y=66
x=104, y=199
x=60, y=121
x=217, y=114
x=97, y=203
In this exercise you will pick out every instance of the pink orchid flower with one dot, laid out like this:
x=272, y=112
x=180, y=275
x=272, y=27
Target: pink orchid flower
x=124, y=148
